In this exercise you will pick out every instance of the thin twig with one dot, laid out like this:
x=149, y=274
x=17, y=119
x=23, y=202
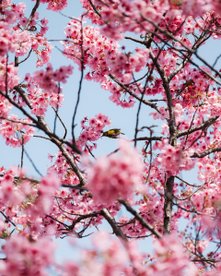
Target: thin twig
x=80, y=83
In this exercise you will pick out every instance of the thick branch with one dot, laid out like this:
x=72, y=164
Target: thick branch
x=205, y=153
x=203, y=126
x=142, y=221
x=168, y=204
x=117, y=231
x=168, y=190
x=166, y=87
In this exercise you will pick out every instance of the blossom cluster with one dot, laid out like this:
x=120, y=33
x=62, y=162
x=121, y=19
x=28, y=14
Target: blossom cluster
x=174, y=159
x=44, y=88
x=55, y=5
x=13, y=14
x=111, y=257
x=26, y=203
x=105, y=60
x=27, y=257
x=9, y=70
x=15, y=131
x=123, y=258
x=17, y=35
x=91, y=131
x=43, y=202
x=117, y=17
x=114, y=21
x=168, y=251
x=116, y=177
x=47, y=79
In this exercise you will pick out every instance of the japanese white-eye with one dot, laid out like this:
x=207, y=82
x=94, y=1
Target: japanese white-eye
x=112, y=133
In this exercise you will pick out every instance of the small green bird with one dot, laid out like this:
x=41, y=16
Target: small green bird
x=112, y=133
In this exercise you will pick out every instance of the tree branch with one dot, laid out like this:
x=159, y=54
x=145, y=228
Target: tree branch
x=142, y=221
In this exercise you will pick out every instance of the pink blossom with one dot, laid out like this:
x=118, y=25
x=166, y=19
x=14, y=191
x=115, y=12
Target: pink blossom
x=169, y=251
x=42, y=48
x=27, y=257
x=174, y=159
x=116, y=176
x=111, y=257
x=43, y=201
x=118, y=14
x=10, y=194
x=197, y=7
x=12, y=75
x=55, y=5
x=91, y=131
x=105, y=59
x=5, y=106
x=15, y=131
x=49, y=78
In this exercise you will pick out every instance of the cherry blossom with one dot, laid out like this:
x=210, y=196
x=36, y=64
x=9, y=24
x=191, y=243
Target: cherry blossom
x=116, y=177
x=27, y=256
x=16, y=131
x=55, y=5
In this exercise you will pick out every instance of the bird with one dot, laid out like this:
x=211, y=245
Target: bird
x=112, y=133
